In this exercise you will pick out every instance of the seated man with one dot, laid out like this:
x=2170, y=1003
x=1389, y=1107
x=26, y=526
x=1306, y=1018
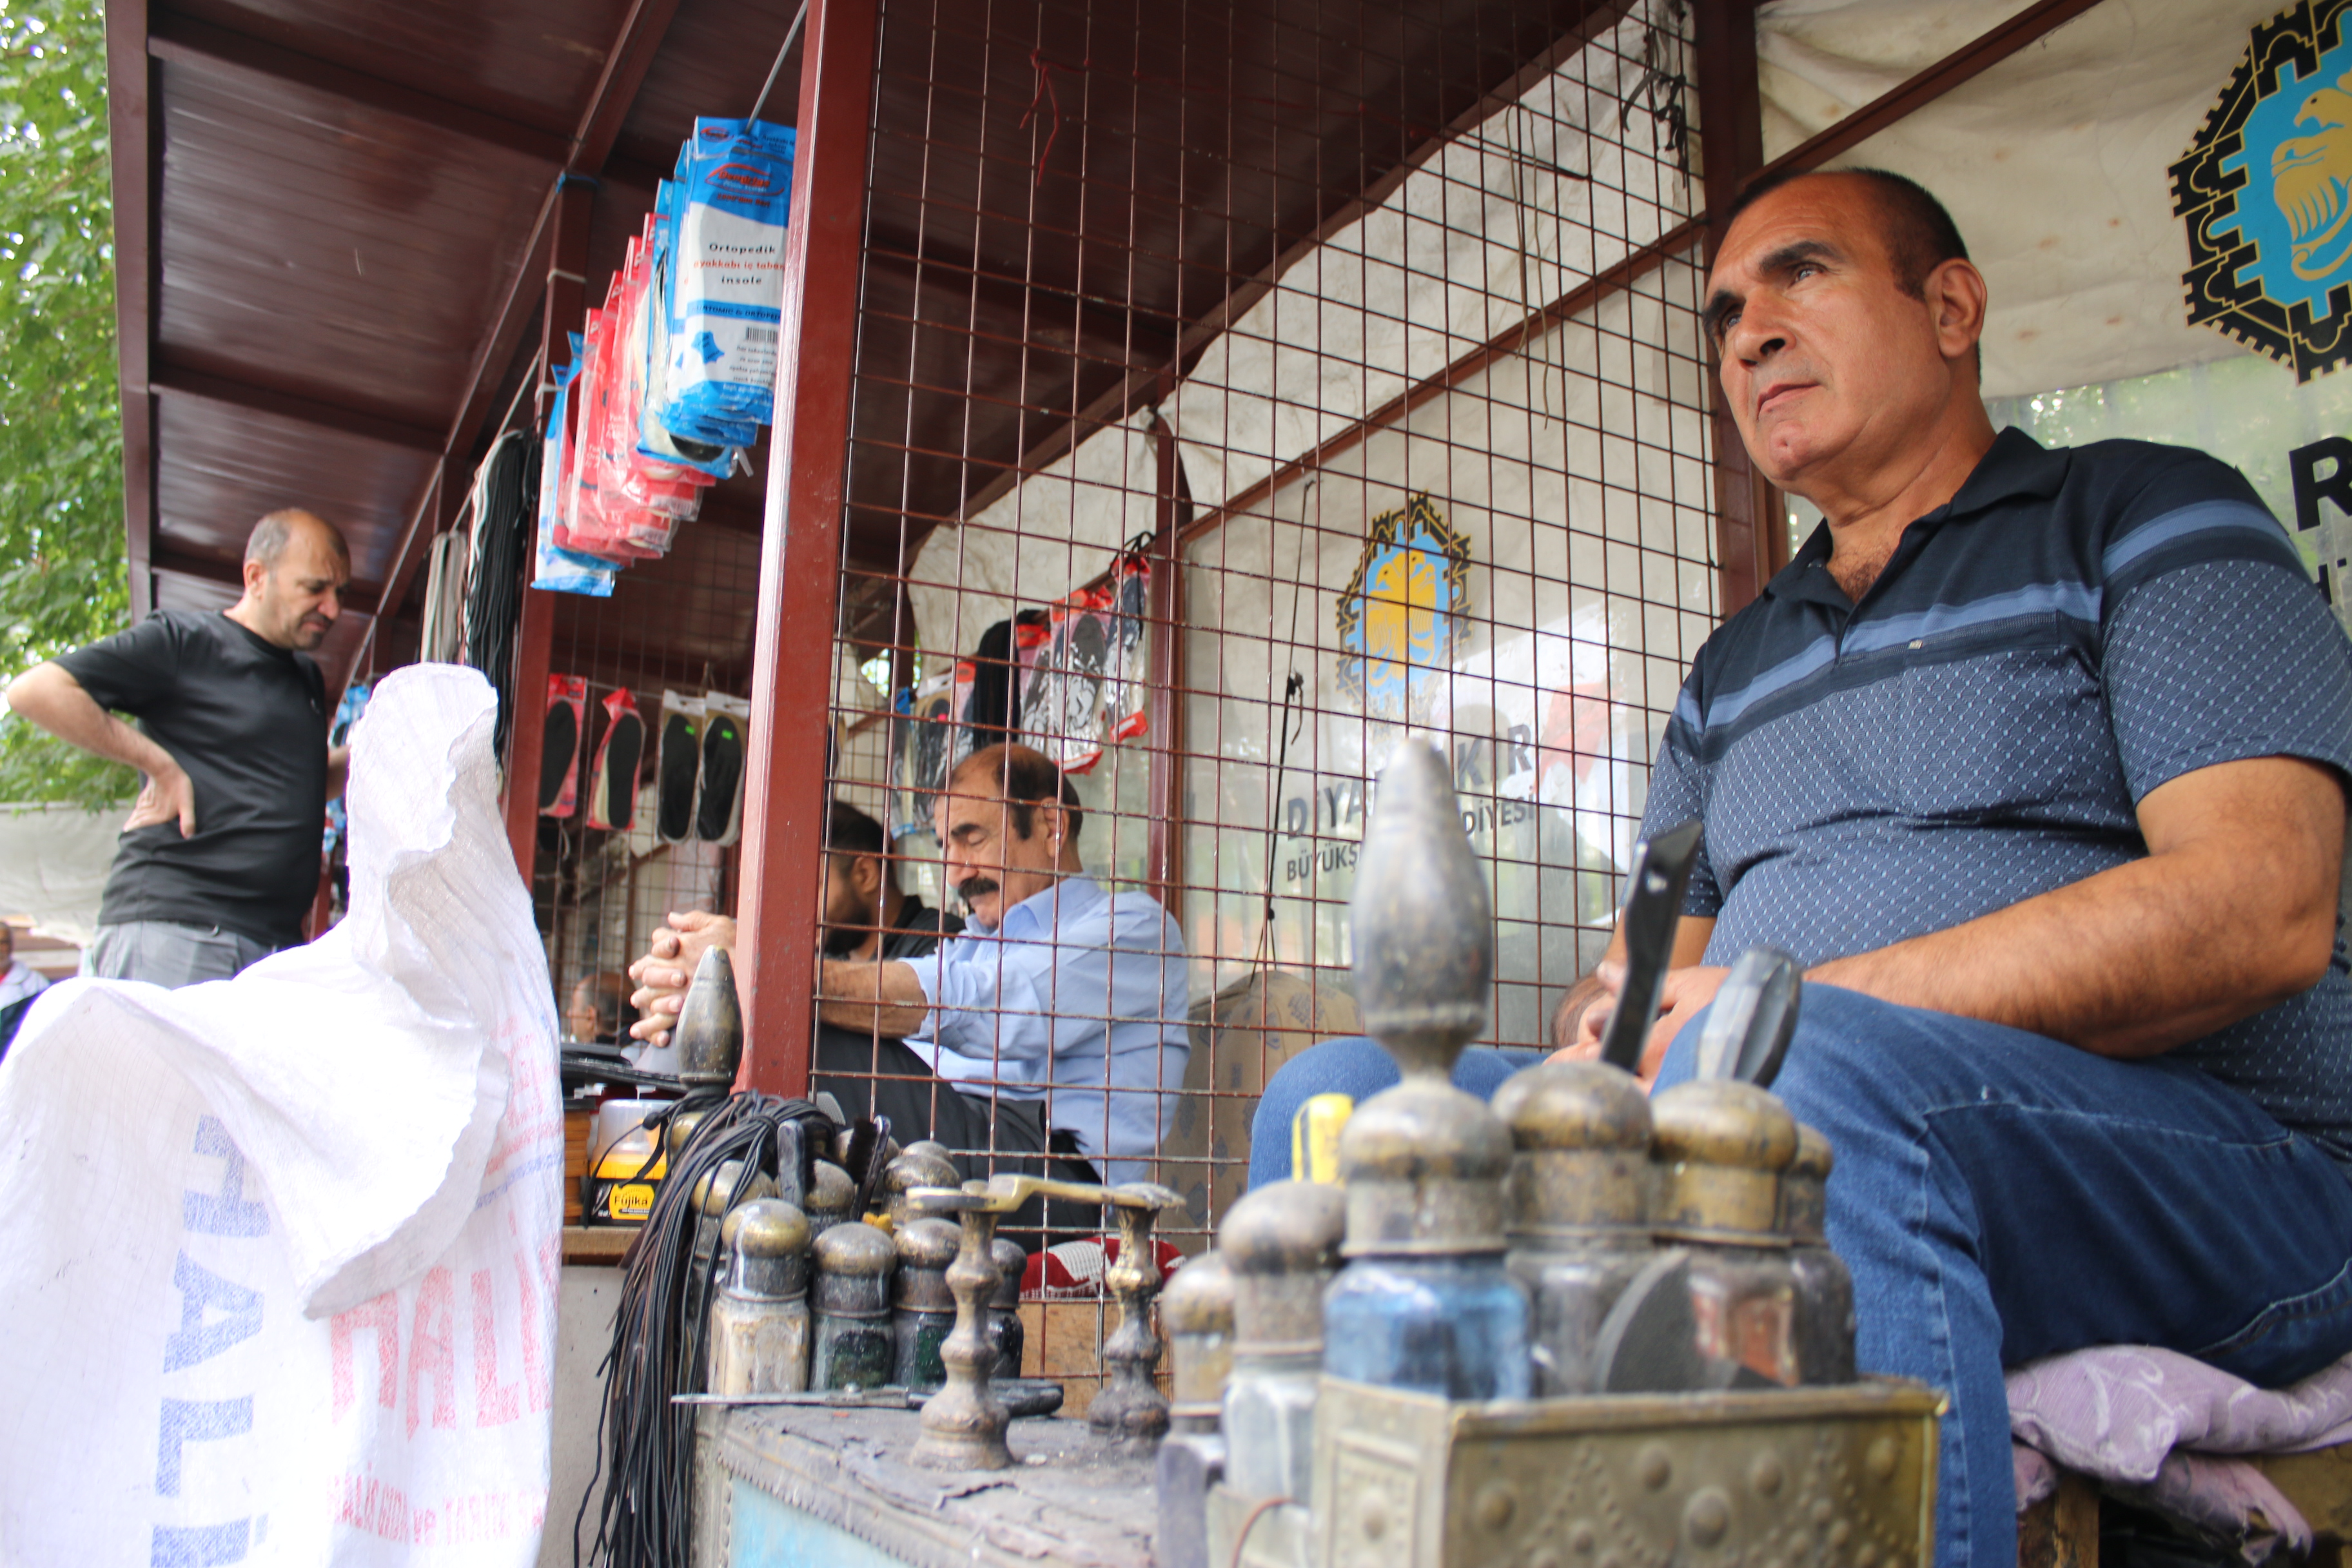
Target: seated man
x=865, y=916
x=2036, y=759
x=1056, y=1023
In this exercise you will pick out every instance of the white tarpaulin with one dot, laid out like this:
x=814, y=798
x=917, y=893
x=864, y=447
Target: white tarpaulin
x=53, y=866
x=280, y=1252
x=2053, y=163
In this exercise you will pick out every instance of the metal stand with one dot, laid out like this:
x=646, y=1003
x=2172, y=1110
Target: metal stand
x=964, y=1423
x=1130, y=1405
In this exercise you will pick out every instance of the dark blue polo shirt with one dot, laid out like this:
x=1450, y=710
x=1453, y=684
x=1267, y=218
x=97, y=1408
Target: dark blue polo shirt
x=2073, y=629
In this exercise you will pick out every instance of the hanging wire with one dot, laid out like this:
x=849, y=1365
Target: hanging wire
x=791, y=35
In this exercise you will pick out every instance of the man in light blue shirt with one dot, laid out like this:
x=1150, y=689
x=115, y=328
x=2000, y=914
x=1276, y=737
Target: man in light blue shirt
x=1057, y=995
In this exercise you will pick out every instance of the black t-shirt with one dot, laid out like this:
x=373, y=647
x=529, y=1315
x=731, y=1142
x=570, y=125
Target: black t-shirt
x=248, y=719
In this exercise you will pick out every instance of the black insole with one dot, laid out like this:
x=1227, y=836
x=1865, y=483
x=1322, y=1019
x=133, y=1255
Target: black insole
x=558, y=753
x=681, y=752
x=623, y=748
x=722, y=770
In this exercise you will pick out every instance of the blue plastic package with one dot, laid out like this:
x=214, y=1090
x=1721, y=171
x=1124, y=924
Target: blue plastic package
x=555, y=568
x=655, y=438
x=728, y=281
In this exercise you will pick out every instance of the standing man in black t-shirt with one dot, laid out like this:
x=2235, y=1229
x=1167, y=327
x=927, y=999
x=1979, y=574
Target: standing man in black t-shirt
x=219, y=859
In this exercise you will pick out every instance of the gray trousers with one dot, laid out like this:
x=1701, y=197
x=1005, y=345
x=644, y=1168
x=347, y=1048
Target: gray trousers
x=166, y=953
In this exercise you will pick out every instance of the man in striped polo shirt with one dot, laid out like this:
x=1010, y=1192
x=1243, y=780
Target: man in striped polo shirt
x=2035, y=759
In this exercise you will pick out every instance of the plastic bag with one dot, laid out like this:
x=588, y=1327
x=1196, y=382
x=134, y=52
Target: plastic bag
x=1126, y=685
x=280, y=1252
x=553, y=567
x=1061, y=712
x=729, y=285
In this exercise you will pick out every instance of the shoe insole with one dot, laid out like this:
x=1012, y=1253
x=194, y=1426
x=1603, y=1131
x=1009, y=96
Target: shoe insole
x=559, y=753
x=722, y=770
x=681, y=760
x=617, y=772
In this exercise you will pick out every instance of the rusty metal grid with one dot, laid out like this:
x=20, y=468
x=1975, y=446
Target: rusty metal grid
x=1506, y=340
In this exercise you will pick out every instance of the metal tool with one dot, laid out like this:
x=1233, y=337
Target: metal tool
x=964, y=1423
x=1654, y=908
x=759, y=1324
x=709, y=1032
x=1424, y=1302
x=1021, y=1396
x=1753, y=1018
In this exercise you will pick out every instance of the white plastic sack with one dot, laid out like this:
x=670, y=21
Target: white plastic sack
x=280, y=1253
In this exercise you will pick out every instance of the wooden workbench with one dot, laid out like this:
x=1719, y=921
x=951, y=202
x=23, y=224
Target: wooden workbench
x=795, y=1485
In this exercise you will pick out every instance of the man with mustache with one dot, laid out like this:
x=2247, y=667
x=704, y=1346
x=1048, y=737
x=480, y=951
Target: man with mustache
x=1055, y=1024
x=219, y=858
x=2035, y=759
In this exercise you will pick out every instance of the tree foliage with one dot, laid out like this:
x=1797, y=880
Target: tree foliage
x=62, y=577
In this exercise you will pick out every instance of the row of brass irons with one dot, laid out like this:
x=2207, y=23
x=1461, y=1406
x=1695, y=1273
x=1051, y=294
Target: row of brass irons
x=1600, y=1179
x=814, y=1300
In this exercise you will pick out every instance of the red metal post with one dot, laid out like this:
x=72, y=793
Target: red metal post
x=1164, y=850
x=1731, y=142
x=799, y=561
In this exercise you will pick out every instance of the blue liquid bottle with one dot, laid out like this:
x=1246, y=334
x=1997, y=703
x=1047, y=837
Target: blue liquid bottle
x=1424, y=1302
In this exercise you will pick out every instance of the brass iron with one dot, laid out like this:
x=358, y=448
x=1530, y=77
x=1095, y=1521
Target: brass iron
x=760, y=1323
x=709, y=1031
x=1004, y=1307
x=1282, y=1242
x=831, y=1196
x=922, y=1311
x=1197, y=1311
x=852, y=1346
x=964, y=1423
x=1579, y=1201
x=1825, y=1289
x=917, y=1165
x=1721, y=1147
x=1423, y=1162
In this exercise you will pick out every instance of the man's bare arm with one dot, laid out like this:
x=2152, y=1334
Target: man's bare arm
x=883, y=997
x=55, y=700
x=339, y=770
x=2233, y=910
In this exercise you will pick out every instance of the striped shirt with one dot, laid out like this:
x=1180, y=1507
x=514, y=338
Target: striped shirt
x=2073, y=629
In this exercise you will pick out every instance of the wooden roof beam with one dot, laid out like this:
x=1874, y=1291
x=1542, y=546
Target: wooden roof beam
x=173, y=37
x=179, y=381
x=359, y=598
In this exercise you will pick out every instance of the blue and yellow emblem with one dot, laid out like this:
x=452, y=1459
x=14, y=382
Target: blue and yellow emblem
x=2266, y=188
x=1403, y=612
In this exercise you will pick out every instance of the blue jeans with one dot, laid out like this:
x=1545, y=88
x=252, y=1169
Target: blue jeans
x=1999, y=1197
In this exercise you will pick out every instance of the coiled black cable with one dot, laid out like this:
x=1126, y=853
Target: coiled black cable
x=506, y=496
x=644, y=1444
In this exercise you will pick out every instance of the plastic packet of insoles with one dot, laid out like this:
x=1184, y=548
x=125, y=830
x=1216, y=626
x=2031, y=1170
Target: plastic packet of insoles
x=1127, y=683
x=728, y=287
x=613, y=789
x=1061, y=710
x=923, y=735
x=725, y=739
x=656, y=439
x=678, y=767
x=553, y=567
x=559, y=755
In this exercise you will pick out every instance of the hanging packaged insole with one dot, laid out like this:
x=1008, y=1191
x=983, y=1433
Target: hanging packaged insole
x=1126, y=687
x=679, y=767
x=726, y=733
x=727, y=288
x=1061, y=712
x=559, y=753
x=922, y=732
x=613, y=794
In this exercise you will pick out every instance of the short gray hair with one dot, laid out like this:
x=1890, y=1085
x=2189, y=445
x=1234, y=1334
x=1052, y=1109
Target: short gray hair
x=267, y=540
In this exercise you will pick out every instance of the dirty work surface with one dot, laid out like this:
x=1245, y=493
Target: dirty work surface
x=1086, y=1506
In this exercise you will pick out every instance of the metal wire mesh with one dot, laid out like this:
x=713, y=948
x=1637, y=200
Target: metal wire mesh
x=1339, y=374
